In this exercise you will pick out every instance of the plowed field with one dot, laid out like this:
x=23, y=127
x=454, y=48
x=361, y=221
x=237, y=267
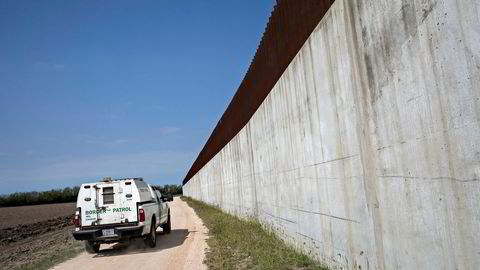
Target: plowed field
x=21, y=215
x=33, y=236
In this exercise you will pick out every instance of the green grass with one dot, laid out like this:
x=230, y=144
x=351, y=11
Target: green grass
x=241, y=244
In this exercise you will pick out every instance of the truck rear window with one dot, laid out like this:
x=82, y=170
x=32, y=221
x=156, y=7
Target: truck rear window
x=108, y=195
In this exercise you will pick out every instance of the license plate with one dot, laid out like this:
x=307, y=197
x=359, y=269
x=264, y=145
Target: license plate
x=108, y=232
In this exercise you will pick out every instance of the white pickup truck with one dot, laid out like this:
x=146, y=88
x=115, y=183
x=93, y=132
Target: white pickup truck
x=115, y=210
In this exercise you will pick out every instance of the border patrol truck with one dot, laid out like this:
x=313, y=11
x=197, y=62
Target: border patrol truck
x=115, y=210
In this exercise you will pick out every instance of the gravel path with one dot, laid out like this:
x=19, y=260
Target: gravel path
x=183, y=248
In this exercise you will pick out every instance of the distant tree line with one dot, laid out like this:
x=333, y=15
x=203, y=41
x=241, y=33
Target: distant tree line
x=61, y=195
x=172, y=189
x=43, y=197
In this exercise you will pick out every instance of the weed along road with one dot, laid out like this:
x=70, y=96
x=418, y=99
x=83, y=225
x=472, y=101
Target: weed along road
x=183, y=248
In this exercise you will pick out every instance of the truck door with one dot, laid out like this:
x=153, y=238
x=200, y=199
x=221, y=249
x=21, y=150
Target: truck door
x=113, y=206
x=128, y=203
x=163, y=207
x=159, y=203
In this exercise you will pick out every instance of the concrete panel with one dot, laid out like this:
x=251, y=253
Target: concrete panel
x=366, y=153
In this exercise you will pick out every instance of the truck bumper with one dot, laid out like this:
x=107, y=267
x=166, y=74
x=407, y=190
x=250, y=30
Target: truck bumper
x=121, y=233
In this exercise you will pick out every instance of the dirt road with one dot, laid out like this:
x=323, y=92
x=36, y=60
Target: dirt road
x=183, y=248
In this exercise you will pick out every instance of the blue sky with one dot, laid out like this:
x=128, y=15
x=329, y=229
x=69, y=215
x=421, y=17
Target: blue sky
x=116, y=88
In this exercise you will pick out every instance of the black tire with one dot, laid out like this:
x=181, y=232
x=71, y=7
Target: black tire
x=151, y=239
x=92, y=247
x=167, y=227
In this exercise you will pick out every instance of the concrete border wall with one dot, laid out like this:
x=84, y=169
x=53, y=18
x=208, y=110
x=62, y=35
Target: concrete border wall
x=366, y=153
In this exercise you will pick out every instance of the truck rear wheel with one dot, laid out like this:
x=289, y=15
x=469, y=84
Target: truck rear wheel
x=151, y=239
x=167, y=227
x=91, y=247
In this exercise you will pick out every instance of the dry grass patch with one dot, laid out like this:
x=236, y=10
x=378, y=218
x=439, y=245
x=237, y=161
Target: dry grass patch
x=240, y=244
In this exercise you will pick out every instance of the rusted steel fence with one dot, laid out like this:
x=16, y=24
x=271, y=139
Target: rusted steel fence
x=289, y=26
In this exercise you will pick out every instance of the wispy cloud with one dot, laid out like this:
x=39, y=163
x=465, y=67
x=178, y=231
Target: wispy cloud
x=120, y=141
x=31, y=152
x=155, y=165
x=168, y=130
x=134, y=164
x=58, y=67
x=49, y=66
x=117, y=111
x=100, y=140
x=89, y=139
x=160, y=107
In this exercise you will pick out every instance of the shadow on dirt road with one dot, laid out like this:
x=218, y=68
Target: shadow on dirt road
x=164, y=241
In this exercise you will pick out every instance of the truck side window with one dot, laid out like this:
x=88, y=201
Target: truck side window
x=108, y=195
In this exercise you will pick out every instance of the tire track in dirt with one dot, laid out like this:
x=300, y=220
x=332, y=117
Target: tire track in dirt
x=183, y=248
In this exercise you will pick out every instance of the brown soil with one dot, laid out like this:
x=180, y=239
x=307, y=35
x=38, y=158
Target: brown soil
x=20, y=232
x=24, y=243
x=27, y=252
x=12, y=216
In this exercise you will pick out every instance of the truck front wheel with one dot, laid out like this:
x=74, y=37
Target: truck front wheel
x=91, y=247
x=167, y=227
